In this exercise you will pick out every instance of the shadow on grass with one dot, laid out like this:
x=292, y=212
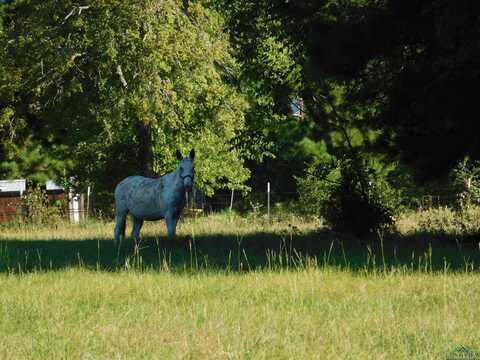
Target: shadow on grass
x=421, y=252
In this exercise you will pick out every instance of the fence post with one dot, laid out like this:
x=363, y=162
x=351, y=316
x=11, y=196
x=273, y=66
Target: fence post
x=194, y=198
x=268, y=200
x=231, y=200
x=88, y=201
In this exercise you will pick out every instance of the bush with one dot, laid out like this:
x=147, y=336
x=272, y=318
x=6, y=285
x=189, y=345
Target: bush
x=316, y=187
x=37, y=209
x=465, y=180
x=448, y=221
x=351, y=197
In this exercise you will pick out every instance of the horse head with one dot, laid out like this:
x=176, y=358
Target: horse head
x=186, y=169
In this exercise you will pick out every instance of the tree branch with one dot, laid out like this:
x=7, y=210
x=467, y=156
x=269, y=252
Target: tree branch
x=120, y=74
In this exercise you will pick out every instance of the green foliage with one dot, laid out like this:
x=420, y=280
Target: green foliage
x=465, y=180
x=405, y=70
x=351, y=197
x=94, y=77
x=442, y=221
x=37, y=209
x=407, y=65
x=270, y=78
x=112, y=88
x=39, y=162
x=351, y=210
x=316, y=187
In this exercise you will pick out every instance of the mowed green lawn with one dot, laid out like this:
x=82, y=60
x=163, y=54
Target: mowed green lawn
x=217, y=295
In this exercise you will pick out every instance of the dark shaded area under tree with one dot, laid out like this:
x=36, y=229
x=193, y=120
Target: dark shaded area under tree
x=416, y=252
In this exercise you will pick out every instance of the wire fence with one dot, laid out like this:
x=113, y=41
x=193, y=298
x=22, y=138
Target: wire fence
x=12, y=209
x=22, y=215
x=236, y=200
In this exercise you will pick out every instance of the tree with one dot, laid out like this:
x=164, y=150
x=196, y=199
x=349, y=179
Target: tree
x=336, y=126
x=412, y=64
x=121, y=85
x=271, y=79
x=407, y=67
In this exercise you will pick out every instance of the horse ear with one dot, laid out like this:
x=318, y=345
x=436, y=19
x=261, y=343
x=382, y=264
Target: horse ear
x=192, y=154
x=178, y=154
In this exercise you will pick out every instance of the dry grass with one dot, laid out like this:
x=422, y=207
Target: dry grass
x=220, y=224
x=76, y=302
x=441, y=221
x=308, y=314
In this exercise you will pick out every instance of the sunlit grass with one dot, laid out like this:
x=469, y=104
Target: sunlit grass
x=441, y=220
x=231, y=288
x=307, y=314
x=223, y=224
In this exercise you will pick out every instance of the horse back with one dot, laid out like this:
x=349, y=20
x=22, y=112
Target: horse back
x=145, y=198
x=137, y=189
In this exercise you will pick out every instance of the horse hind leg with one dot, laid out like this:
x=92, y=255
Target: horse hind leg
x=137, y=225
x=120, y=223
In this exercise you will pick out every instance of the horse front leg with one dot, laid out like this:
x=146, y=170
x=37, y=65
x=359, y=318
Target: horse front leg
x=171, y=221
x=137, y=225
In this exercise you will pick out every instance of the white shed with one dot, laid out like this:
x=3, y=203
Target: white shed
x=18, y=185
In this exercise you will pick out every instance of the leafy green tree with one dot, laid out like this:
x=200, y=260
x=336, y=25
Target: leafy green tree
x=120, y=85
x=336, y=127
x=404, y=71
x=272, y=48
x=31, y=158
x=270, y=78
x=411, y=64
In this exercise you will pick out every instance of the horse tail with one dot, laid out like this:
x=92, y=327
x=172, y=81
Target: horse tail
x=124, y=225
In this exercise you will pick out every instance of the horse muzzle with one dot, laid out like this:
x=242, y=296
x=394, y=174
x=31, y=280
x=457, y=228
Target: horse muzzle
x=188, y=184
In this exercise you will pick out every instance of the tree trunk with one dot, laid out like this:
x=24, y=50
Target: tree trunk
x=145, y=148
x=185, y=7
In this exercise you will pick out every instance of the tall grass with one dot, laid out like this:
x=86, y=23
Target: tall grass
x=305, y=314
x=233, y=243
x=234, y=288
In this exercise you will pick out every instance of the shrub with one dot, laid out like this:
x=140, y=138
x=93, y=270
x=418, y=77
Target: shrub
x=37, y=209
x=448, y=221
x=465, y=180
x=316, y=187
x=350, y=196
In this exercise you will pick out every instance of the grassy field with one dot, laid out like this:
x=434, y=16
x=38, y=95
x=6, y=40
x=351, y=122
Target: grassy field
x=239, y=288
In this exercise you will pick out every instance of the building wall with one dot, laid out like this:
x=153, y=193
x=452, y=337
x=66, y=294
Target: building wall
x=10, y=206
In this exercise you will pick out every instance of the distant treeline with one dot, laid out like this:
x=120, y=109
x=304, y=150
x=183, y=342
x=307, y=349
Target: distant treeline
x=110, y=88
